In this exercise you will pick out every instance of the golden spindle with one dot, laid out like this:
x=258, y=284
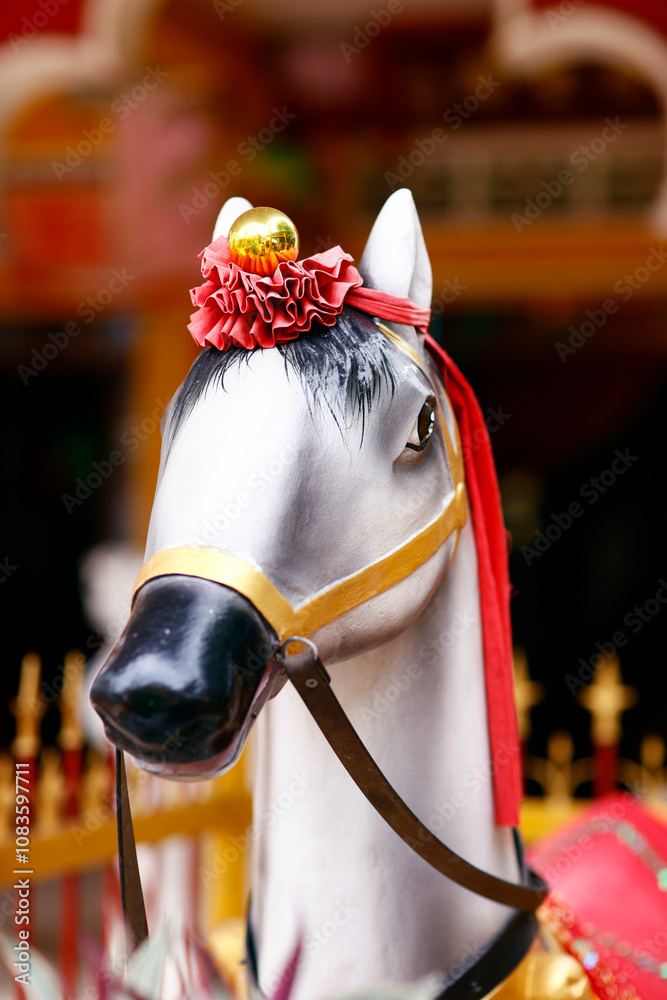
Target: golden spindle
x=7, y=797
x=28, y=710
x=50, y=792
x=70, y=736
x=97, y=783
x=560, y=750
x=71, y=741
x=606, y=699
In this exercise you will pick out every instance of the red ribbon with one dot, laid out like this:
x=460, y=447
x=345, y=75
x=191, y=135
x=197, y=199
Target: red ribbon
x=389, y=307
x=494, y=588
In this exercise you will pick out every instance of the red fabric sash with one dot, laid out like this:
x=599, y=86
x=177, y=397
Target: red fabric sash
x=494, y=587
x=389, y=307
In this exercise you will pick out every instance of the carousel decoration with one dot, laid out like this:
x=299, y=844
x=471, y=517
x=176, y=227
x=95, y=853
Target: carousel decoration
x=288, y=611
x=327, y=565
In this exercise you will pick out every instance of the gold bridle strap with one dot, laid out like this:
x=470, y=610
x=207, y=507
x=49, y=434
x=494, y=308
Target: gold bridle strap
x=343, y=596
x=325, y=607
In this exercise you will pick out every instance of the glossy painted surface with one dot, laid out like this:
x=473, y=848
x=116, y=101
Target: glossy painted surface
x=187, y=678
x=263, y=469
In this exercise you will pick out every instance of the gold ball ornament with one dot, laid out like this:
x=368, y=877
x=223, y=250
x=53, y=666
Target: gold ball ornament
x=556, y=976
x=261, y=239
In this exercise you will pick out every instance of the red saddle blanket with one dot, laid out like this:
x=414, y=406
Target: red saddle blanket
x=608, y=905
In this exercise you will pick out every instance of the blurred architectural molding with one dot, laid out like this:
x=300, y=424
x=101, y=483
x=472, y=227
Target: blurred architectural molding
x=106, y=49
x=529, y=38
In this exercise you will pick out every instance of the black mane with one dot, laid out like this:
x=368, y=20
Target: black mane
x=345, y=366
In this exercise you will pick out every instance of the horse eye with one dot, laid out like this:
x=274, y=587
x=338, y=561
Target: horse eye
x=423, y=429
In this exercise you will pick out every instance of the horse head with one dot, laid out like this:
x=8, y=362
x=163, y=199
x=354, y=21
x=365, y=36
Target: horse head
x=314, y=488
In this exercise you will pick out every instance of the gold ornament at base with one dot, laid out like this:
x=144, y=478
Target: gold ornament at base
x=553, y=976
x=560, y=977
x=544, y=975
x=261, y=239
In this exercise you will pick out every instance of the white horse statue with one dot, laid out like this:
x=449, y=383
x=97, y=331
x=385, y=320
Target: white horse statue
x=313, y=486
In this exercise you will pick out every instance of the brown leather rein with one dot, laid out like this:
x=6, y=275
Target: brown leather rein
x=308, y=674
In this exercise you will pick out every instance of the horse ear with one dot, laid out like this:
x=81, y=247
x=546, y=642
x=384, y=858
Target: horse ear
x=229, y=213
x=395, y=259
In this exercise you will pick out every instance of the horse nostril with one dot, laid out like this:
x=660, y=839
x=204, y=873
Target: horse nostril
x=148, y=701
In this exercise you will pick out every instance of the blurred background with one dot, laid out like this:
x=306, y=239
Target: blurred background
x=532, y=136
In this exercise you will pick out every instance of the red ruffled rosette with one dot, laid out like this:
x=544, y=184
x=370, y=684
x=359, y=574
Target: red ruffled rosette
x=236, y=308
